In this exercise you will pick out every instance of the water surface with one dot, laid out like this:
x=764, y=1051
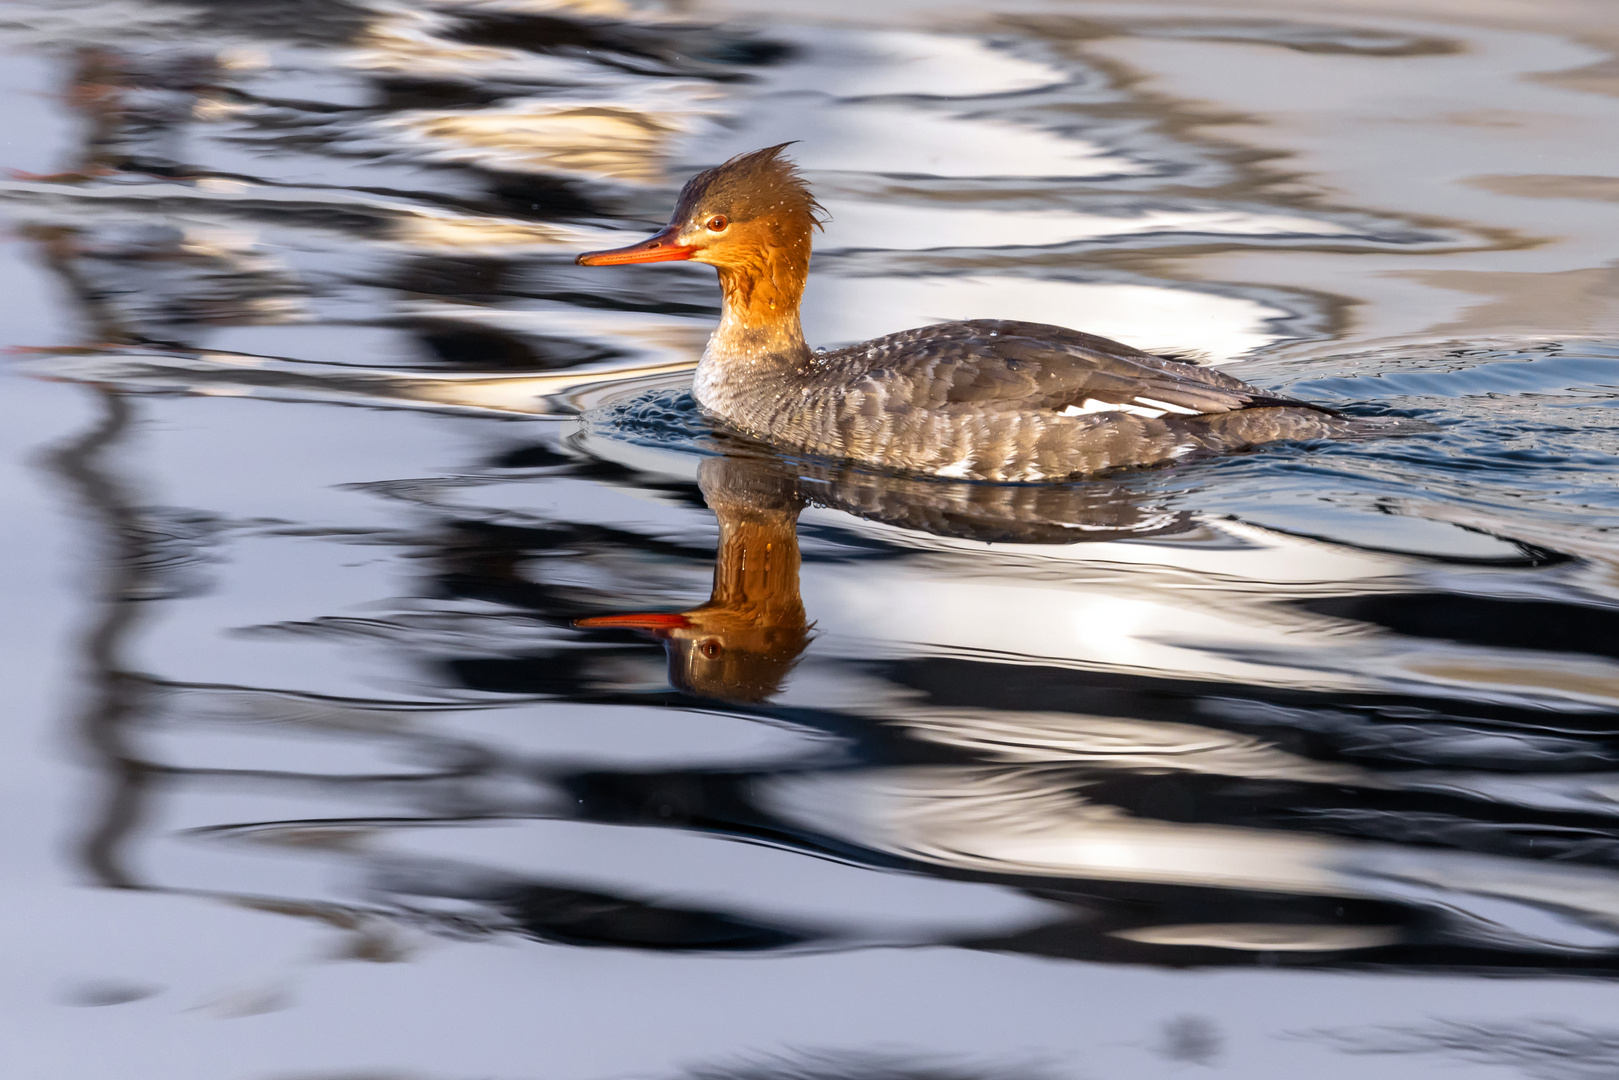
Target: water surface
x=319, y=447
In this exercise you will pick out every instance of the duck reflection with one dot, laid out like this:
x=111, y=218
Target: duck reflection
x=743, y=642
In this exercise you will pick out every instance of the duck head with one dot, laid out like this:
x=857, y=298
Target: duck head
x=741, y=655
x=751, y=218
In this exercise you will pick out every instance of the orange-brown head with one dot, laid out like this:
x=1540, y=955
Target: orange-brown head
x=742, y=643
x=714, y=651
x=751, y=218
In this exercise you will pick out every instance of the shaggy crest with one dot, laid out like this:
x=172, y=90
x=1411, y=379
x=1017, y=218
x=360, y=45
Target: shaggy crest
x=751, y=185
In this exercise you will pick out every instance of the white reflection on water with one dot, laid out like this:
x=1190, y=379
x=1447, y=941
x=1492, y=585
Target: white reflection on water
x=869, y=63
x=1019, y=822
x=1184, y=321
x=895, y=141
x=858, y=225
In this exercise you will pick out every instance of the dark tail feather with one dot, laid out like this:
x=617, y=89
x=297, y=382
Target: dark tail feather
x=1266, y=401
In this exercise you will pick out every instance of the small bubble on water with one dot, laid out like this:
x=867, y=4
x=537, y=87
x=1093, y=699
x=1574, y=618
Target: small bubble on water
x=1193, y=1039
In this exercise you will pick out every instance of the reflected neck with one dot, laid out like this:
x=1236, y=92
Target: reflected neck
x=756, y=568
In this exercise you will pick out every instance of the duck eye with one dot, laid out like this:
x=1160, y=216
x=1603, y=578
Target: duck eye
x=710, y=649
x=717, y=223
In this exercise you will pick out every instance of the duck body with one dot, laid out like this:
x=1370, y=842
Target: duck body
x=997, y=400
x=984, y=399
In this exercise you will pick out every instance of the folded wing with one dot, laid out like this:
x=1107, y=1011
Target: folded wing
x=990, y=364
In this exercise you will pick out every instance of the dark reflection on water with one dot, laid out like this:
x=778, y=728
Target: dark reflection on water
x=828, y=1067
x=1544, y=1049
x=1159, y=819
x=521, y=651
x=118, y=695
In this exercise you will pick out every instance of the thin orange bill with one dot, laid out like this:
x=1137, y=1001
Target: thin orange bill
x=659, y=247
x=654, y=621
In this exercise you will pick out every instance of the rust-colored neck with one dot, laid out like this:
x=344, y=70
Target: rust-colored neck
x=762, y=279
x=756, y=569
x=767, y=287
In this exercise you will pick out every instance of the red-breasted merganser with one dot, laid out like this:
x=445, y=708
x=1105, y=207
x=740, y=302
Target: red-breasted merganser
x=980, y=400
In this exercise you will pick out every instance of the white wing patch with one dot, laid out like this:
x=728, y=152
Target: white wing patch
x=1154, y=403
x=1095, y=405
x=1141, y=406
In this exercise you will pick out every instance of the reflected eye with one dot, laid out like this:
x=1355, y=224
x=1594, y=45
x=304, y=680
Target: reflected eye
x=710, y=648
x=717, y=223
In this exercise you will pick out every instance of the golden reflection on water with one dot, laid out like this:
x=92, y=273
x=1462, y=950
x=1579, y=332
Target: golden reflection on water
x=595, y=140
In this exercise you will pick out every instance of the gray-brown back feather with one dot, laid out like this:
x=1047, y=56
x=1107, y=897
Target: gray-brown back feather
x=989, y=400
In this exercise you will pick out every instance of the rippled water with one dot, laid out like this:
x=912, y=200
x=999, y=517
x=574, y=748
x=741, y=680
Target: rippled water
x=318, y=447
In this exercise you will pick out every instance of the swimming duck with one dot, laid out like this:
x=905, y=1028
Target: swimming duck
x=985, y=399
